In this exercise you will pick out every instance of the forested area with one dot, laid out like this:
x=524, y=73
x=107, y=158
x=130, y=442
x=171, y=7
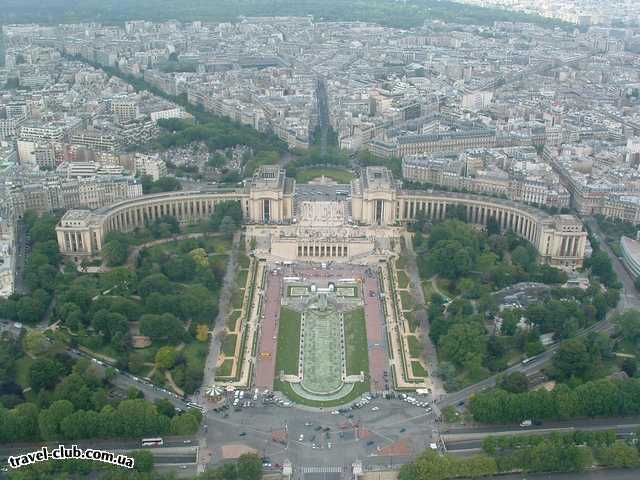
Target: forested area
x=613, y=229
x=581, y=365
x=70, y=399
x=163, y=184
x=170, y=297
x=218, y=133
x=558, y=452
x=313, y=157
x=44, y=393
x=366, y=159
x=470, y=266
x=597, y=398
x=225, y=220
x=387, y=12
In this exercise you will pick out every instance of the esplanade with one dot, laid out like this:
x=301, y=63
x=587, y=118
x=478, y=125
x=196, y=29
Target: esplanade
x=320, y=222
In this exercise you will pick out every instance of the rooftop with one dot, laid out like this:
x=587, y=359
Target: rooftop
x=269, y=177
x=631, y=246
x=377, y=178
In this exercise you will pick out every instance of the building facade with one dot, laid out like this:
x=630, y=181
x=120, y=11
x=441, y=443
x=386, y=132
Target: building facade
x=293, y=223
x=631, y=255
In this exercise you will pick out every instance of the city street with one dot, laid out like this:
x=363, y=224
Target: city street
x=395, y=427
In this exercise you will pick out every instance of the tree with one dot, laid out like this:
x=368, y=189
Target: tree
x=249, y=467
x=44, y=228
x=29, y=310
x=230, y=209
x=493, y=227
x=516, y=382
x=36, y=343
x=202, y=333
x=162, y=327
x=155, y=283
x=431, y=466
x=523, y=257
x=165, y=407
x=450, y=259
x=600, y=265
x=164, y=226
x=629, y=325
x=143, y=460
x=217, y=161
x=26, y=422
x=44, y=373
x=197, y=303
x=50, y=420
x=109, y=324
x=462, y=342
x=227, y=227
x=75, y=389
x=10, y=351
x=163, y=184
x=136, y=362
x=619, y=455
x=70, y=314
x=571, y=359
x=185, y=424
x=630, y=366
x=139, y=418
x=200, y=256
x=118, y=281
x=180, y=268
x=115, y=249
x=166, y=358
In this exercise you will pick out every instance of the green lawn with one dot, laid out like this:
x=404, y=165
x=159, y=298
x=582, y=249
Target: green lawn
x=338, y=174
x=408, y=303
x=288, y=342
x=232, y=320
x=148, y=354
x=427, y=290
x=22, y=371
x=418, y=369
x=237, y=297
x=217, y=244
x=402, y=262
x=241, y=279
x=415, y=346
x=358, y=390
x=93, y=343
x=443, y=286
x=403, y=279
x=211, y=244
x=224, y=370
x=243, y=261
x=355, y=332
x=229, y=345
x=414, y=325
x=196, y=353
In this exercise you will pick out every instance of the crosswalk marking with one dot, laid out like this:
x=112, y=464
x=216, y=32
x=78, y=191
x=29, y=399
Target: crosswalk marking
x=321, y=469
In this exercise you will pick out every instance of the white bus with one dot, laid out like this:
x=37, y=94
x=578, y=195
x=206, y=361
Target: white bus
x=152, y=442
